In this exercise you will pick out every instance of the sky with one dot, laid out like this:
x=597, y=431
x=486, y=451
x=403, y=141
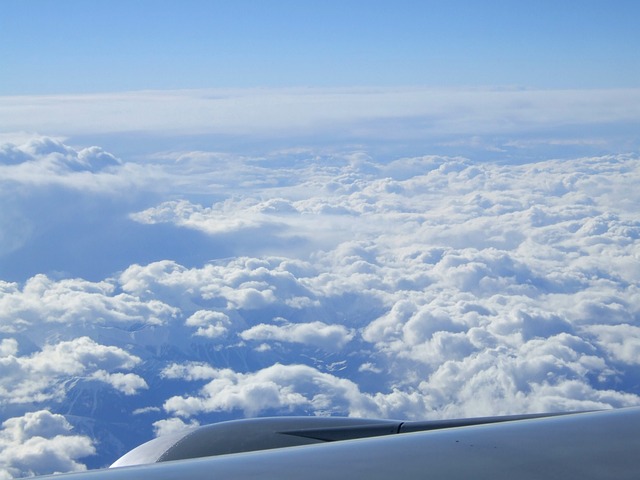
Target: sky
x=88, y=46
x=217, y=210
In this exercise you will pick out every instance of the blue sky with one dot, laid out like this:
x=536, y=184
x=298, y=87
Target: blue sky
x=75, y=46
x=212, y=210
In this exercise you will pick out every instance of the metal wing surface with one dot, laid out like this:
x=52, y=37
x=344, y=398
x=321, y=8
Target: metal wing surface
x=585, y=446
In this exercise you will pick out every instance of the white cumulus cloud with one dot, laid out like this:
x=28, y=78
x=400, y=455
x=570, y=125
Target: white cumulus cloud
x=279, y=387
x=40, y=443
x=319, y=334
x=46, y=374
x=73, y=301
x=172, y=425
x=210, y=324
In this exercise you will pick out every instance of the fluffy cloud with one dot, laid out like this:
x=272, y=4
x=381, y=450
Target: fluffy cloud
x=278, y=387
x=74, y=301
x=210, y=324
x=621, y=342
x=215, y=220
x=42, y=161
x=60, y=157
x=41, y=443
x=127, y=383
x=244, y=283
x=73, y=201
x=172, y=425
x=557, y=373
x=47, y=374
x=319, y=334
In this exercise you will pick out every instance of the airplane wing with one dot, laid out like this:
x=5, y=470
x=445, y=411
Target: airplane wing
x=585, y=446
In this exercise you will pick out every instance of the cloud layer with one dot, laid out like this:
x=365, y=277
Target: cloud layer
x=492, y=119
x=320, y=283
